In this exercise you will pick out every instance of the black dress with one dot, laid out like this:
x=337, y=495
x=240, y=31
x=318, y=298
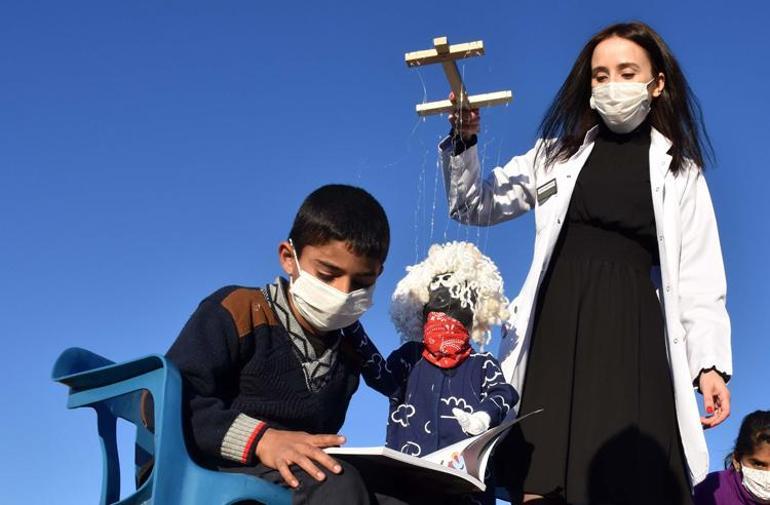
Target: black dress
x=597, y=361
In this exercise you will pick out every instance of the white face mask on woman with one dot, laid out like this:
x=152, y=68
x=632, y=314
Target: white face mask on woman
x=622, y=105
x=327, y=308
x=757, y=482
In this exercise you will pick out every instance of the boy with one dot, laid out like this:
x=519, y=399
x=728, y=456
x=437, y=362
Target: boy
x=268, y=374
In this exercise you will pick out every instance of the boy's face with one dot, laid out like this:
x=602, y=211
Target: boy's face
x=333, y=263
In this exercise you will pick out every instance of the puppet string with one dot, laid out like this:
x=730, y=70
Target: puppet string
x=435, y=198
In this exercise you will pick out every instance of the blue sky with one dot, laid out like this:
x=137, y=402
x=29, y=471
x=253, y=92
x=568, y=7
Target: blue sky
x=151, y=152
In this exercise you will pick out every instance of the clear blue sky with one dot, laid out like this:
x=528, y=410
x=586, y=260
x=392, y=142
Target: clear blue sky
x=151, y=152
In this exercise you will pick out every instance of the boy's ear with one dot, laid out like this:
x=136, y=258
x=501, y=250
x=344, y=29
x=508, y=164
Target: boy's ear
x=286, y=259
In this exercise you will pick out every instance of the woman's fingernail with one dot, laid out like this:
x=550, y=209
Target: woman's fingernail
x=337, y=469
x=710, y=410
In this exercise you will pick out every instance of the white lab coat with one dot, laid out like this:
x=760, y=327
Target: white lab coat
x=691, y=278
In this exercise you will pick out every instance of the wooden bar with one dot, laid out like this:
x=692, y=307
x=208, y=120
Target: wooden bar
x=455, y=52
x=456, y=82
x=441, y=45
x=475, y=102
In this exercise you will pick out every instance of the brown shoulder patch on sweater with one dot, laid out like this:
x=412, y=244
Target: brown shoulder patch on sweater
x=248, y=309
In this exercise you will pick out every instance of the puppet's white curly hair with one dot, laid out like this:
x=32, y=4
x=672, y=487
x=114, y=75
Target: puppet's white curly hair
x=469, y=271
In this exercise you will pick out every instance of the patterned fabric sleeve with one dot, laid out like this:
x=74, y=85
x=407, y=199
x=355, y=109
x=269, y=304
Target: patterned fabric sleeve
x=497, y=396
x=387, y=376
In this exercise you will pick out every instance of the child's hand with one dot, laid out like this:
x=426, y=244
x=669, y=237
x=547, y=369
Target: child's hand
x=472, y=424
x=279, y=449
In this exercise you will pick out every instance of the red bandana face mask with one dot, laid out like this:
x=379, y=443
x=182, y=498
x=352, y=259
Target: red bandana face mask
x=446, y=341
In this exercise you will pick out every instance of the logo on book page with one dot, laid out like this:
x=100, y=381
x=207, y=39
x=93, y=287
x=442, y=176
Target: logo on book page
x=457, y=462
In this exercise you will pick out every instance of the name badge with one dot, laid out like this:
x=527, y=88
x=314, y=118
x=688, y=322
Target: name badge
x=546, y=191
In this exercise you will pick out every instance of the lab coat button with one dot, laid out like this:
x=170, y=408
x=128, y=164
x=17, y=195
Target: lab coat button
x=668, y=288
x=676, y=340
x=661, y=238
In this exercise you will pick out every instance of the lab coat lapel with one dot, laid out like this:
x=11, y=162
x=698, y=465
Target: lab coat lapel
x=660, y=161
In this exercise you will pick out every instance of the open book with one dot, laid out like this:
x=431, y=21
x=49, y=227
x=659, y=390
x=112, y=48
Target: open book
x=458, y=468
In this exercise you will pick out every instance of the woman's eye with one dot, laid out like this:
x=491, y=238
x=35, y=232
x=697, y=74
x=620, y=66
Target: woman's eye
x=325, y=277
x=601, y=78
x=628, y=76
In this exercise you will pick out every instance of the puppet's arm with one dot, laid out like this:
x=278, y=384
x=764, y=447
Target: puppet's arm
x=497, y=398
x=387, y=376
x=497, y=395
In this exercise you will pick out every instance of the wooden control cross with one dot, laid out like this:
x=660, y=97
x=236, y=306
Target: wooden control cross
x=445, y=54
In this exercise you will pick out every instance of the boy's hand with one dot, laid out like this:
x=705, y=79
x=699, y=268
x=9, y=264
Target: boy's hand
x=278, y=449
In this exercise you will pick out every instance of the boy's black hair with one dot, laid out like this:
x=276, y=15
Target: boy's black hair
x=346, y=213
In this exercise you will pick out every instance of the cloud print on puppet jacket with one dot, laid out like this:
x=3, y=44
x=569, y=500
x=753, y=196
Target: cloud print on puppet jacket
x=423, y=395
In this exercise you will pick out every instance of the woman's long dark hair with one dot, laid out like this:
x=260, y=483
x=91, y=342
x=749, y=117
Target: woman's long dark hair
x=755, y=430
x=676, y=113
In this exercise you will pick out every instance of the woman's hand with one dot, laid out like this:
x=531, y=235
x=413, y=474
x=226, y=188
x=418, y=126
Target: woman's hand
x=465, y=122
x=716, y=398
x=280, y=449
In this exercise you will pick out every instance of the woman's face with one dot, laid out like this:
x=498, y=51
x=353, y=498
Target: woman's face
x=620, y=60
x=759, y=460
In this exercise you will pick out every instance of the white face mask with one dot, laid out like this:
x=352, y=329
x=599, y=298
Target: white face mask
x=757, y=482
x=622, y=105
x=325, y=307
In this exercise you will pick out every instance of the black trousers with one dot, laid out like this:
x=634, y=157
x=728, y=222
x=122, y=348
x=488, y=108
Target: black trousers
x=349, y=488
x=345, y=488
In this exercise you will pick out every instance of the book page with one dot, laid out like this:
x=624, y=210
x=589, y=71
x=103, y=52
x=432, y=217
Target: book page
x=471, y=455
x=380, y=465
x=456, y=468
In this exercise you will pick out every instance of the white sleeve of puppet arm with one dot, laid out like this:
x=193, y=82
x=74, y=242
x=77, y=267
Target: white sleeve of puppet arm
x=702, y=283
x=507, y=192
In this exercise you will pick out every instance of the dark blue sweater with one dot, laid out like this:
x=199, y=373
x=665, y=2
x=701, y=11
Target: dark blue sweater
x=247, y=365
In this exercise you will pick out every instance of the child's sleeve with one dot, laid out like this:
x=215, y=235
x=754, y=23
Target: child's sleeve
x=497, y=395
x=207, y=355
x=387, y=376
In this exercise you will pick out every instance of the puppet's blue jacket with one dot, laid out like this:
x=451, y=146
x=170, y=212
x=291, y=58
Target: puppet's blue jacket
x=422, y=395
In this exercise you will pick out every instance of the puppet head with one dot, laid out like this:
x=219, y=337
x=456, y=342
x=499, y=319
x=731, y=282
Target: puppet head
x=455, y=279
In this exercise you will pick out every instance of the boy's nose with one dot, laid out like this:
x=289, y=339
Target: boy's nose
x=343, y=283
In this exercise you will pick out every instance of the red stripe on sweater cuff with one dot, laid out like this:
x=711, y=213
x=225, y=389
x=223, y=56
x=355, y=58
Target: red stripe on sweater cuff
x=252, y=438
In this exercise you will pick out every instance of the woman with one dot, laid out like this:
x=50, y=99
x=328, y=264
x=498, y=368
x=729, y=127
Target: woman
x=746, y=480
x=622, y=214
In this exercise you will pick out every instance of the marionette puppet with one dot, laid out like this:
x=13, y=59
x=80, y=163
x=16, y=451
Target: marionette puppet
x=441, y=390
